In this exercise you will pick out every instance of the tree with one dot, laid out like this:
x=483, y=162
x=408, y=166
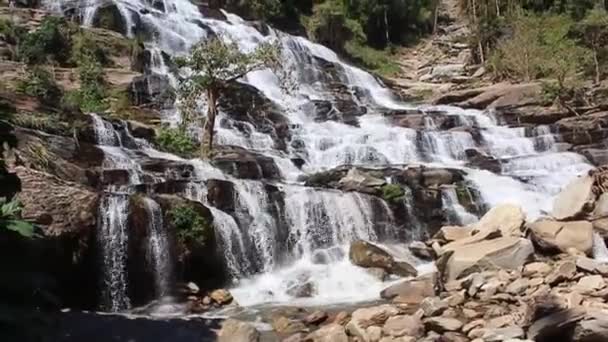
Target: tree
x=213, y=65
x=594, y=31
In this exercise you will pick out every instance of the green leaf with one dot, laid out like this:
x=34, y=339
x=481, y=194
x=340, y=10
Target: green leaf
x=24, y=228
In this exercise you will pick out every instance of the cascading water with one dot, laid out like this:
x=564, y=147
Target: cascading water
x=321, y=223
x=158, y=248
x=458, y=215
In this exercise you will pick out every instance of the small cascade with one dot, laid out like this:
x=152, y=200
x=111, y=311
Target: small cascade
x=112, y=236
x=158, y=248
x=416, y=229
x=457, y=214
x=600, y=251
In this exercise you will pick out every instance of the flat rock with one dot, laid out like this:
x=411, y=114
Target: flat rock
x=442, y=324
x=575, y=199
x=411, y=291
x=403, y=325
x=563, y=236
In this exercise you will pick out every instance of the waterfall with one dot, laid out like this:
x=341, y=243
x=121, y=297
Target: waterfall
x=112, y=236
x=600, y=251
x=158, y=248
x=458, y=215
x=270, y=252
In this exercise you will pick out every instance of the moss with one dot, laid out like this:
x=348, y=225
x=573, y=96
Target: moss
x=392, y=193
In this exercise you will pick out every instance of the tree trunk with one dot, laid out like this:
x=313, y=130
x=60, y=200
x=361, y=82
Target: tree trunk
x=209, y=125
x=597, y=66
x=436, y=16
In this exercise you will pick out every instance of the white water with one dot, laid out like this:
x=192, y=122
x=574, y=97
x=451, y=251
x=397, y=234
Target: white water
x=451, y=204
x=159, y=248
x=322, y=223
x=112, y=236
x=600, y=251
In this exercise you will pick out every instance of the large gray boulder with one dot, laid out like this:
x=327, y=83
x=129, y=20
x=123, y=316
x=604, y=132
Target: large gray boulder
x=575, y=236
x=368, y=255
x=502, y=253
x=575, y=200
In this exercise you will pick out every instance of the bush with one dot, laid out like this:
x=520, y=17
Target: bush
x=175, y=141
x=379, y=61
x=189, y=225
x=50, y=42
x=41, y=84
x=91, y=96
x=392, y=193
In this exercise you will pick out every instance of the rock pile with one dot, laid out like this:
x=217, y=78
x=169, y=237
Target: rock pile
x=500, y=279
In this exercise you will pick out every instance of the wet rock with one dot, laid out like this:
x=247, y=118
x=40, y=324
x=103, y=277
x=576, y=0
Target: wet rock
x=356, y=180
x=108, y=16
x=140, y=130
x=403, y=325
x=378, y=273
x=242, y=163
x=152, y=89
x=563, y=236
x=575, y=200
x=478, y=160
x=421, y=250
x=506, y=253
x=366, y=254
x=585, y=129
x=442, y=324
x=302, y=290
x=329, y=333
x=237, y=331
x=593, y=328
x=316, y=317
x=221, y=297
x=287, y=326
x=412, y=291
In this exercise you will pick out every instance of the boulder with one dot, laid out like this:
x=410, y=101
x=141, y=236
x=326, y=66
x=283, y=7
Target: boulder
x=588, y=284
x=403, y=325
x=575, y=200
x=433, y=306
x=555, y=325
x=412, y=291
x=287, y=326
x=452, y=233
x=221, y=297
x=237, y=331
x=329, y=333
x=366, y=254
x=355, y=180
x=565, y=270
x=550, y=235
x=442, y=324
x=593, y=328
x=501, y=253
x=421, y=250
x=506, y=218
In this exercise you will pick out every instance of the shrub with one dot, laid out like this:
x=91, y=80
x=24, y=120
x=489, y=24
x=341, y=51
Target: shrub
x=41, y=84
x=91, y=96
x=189, y=225
x=392, y=193
x=50, y=42
x=379, y=61
x=10, y=218
x=175, y=141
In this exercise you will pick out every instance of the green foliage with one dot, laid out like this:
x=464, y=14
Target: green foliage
x=379, y=61
x=40, y=83
x=190, y=225
x=84, y=49
x=46, y=122
x=392, y=193
x=593, y=30
x=175, y=141
x=10, y=214
x=11, y=32
x=540, y=47
x=49, y=43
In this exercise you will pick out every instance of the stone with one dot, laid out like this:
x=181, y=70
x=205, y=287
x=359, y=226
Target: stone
x=470, y=314
x=433, y=306
x=364, y=318
x=374, y=333
x=237, y=331
x=297, y=337
x=591, y=283
x=411, y=291
x=421, y=250
x=403, y=325
x=342, y=318
x=586, y=264
x=329, y=333
x=452, y=233
x=316, y=317
x=536, y=269
x=575, y=200
x=221, y=297
x=377, y=273
x=366, y=254
x=550, y=235
x=287, y=326
x=518, y=287
x=456, y=299
x=601, y=207
x=355, y=179
x=442, y=324
x=304, y=289
x=565, y=270
x=506, y=253
x=192, y=288
x=501, y=334
x=506, y=218
x=473, y=325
